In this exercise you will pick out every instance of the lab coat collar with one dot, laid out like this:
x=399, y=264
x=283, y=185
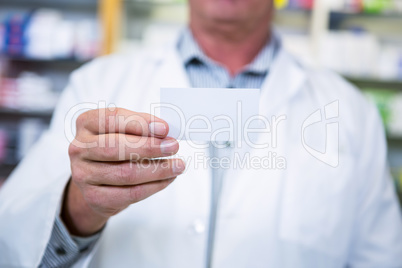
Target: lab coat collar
x=282, y=83
x=171, y=71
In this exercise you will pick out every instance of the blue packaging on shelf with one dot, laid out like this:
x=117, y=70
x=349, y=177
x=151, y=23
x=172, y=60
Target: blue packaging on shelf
x=14, y=29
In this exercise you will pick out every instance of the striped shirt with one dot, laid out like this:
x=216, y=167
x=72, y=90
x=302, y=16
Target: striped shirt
x=63, y=249
x=204, y=72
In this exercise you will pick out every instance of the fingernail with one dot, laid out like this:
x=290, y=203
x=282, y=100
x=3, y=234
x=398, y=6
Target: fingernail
x=157, y=129
x=178, y=167
x=169, y=147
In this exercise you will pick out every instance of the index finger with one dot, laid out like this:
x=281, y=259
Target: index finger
x=119, y=120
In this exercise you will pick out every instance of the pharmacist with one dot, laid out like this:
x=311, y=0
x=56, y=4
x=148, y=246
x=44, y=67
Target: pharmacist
x=80, y=202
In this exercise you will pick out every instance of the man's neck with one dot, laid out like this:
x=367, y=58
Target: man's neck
x=233, y=47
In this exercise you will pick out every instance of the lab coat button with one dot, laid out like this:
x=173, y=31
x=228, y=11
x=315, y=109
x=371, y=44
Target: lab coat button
x=197, y=227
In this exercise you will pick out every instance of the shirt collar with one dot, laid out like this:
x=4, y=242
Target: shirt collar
x=189, y=51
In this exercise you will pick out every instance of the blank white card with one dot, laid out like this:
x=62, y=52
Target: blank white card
x=208, y=114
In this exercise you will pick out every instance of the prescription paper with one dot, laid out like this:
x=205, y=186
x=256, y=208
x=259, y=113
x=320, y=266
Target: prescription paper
x=208, y=114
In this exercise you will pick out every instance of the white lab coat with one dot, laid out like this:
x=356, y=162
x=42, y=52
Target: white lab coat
x=306, y=215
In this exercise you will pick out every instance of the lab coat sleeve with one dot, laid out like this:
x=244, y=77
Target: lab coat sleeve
x=31, y=196
x=377, y=235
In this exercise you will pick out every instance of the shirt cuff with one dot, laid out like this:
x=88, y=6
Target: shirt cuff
x=63, y=249
x=83, y=243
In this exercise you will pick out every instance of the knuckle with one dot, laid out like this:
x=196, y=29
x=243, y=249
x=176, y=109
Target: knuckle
x=140, y=123
x=148, y=146
x=112, y=146
x=163, y=168
x=110, y=152
x=78, y=174
x=81, y=119
x=137, y=171
x=112, y=116
x=135, y=193
x=126, y=172
x=160, y=172
x=73, y=150
x=92, y=197
x=116, y=111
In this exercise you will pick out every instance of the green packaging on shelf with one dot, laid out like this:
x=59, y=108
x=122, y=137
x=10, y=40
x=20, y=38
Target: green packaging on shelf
x=397, y=175
x=376, y=6
x=383, y=100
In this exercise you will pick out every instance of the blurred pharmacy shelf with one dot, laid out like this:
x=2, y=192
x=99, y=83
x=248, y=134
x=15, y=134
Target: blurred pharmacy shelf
x=18, y=131
x=5, y=171
x=61, y=61
x=152, y=3
x=375, y=83
x=58, y=4
x=16, y=114
x=41, y=43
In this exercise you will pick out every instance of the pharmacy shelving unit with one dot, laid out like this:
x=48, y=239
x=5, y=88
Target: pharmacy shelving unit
x=10, y=119
x=376, y=83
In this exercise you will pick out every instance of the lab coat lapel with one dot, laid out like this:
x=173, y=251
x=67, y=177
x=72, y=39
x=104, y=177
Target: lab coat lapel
x=171, y=73
x=170, y=70
x=164, y=69
x=284, y=80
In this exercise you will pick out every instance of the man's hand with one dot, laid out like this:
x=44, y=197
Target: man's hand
x=112, y=166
